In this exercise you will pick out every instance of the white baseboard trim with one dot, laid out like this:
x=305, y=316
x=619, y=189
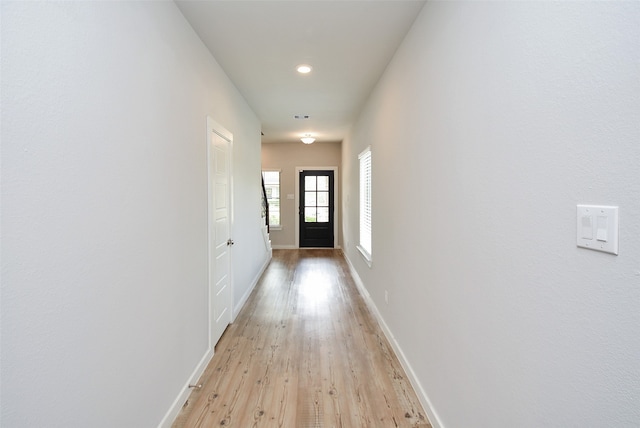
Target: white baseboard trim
x=245, y=297
x=177, y=404
x=284, y=247
x=420, y=392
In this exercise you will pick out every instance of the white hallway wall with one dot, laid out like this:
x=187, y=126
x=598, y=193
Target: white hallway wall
x=491, y=123
x=104, y=203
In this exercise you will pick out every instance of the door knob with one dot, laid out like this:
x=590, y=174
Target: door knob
x=230, y=242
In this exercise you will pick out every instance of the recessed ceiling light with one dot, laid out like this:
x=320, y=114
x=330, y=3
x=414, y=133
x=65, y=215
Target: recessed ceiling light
x=304, y=68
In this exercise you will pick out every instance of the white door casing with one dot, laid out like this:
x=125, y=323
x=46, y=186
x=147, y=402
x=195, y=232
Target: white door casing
x=219, y=142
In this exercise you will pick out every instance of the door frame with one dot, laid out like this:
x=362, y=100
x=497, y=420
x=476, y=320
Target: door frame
x=214, y=127
x=336, y=219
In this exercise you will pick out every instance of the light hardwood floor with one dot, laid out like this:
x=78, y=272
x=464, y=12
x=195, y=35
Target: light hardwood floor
x=304, y=352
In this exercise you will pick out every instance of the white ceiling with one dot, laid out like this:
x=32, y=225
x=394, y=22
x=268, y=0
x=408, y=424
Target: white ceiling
x=258, y=44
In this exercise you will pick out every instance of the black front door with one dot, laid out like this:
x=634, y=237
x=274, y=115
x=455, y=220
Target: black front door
x=316, y=209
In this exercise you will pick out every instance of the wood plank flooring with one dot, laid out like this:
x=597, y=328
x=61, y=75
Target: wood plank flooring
x=304, y=352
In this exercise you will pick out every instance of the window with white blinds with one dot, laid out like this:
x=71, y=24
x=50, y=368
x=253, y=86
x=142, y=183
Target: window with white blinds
x=365, y=203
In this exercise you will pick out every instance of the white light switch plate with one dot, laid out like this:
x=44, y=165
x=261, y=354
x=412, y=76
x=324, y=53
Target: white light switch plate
x=597, y=228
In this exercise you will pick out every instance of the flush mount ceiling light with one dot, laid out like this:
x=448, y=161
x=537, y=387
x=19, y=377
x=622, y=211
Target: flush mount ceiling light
x=307, y=139
x=304, y=68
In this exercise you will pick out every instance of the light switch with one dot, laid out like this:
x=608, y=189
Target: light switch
x=603, y=220
x=601, y=235
x=587, y=227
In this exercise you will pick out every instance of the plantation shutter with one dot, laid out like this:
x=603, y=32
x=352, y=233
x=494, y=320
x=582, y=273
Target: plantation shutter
x=365, y=201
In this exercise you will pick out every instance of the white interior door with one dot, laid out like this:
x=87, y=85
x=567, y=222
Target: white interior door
x=220, y=284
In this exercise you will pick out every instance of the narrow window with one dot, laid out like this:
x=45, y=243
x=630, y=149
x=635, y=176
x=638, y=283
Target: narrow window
x=272, y=188
x=365, y=204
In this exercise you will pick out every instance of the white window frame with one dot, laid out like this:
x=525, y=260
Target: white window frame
x=276, y=226
x=364, y=216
